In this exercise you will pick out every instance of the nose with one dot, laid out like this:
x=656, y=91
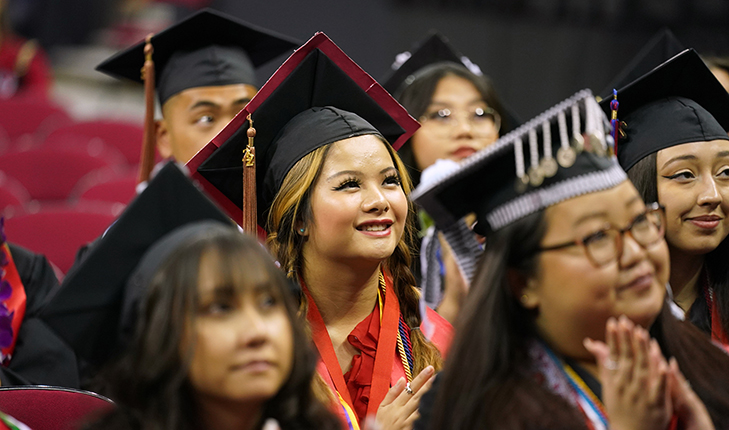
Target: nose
x=252, y=330
x=709, y=194
x=463, y=126
x=632, y=252
x=375, y=201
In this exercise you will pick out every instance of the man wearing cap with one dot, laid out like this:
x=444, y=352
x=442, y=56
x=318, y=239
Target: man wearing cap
x=205, y=74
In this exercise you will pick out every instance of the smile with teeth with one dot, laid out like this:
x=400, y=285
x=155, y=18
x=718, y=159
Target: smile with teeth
x=374, y=227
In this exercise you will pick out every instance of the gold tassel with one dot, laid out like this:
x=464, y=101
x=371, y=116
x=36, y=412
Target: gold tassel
x=249, y=223
x=146, y=160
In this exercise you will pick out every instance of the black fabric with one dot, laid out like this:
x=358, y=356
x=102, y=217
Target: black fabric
x=680, y=101
x=316, y=104
x=40, y=356
x=207, y=49
x=660, y=48
x=488, y=179
x=427, y=402
x=433, y=48
x=86, y=311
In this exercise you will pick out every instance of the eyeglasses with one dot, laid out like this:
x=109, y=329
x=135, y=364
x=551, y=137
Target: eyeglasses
x=606, y=245
x=483, y=121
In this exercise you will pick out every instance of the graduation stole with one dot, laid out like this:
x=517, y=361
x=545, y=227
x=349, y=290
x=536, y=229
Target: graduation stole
x=391, y=336
x=559, y=378
x=717, y=332
x=12, y=304
x=10, y=423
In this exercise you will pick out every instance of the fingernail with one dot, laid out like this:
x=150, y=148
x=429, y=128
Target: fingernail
x=587, y=342
x=429, y=369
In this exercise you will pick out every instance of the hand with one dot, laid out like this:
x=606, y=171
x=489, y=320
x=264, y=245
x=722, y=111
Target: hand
x=399, y=409
x=634, y=377
x=455, y=286
x=691, y=412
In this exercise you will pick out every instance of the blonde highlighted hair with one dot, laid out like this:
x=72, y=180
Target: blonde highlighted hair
x=292, y=207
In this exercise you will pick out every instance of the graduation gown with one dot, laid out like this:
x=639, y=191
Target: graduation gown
x=40, y=356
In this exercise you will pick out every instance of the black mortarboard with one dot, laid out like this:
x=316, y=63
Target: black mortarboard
x=661, y=47
x=86, y=312
x=433, y=48
x=318, y=96
x=519, y=175
x=680, y=101
x=207, y=49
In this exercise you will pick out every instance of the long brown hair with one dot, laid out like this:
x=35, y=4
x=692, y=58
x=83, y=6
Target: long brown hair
x=292, y=206
x=149, y=381
x=486, y=382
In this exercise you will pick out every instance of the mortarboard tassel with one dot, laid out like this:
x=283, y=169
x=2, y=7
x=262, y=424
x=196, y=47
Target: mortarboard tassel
x=614, y=104
x=146, y=161
x=249, y=223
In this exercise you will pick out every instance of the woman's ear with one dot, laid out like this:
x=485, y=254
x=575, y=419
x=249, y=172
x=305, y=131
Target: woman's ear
x=523, y=288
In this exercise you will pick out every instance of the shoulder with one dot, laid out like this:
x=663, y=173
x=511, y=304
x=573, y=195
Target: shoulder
x=35, y=273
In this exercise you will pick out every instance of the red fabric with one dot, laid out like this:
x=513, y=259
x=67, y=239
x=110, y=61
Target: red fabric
x=364, y=338
x=29, y=121
x=125, y=137
x=37, y=81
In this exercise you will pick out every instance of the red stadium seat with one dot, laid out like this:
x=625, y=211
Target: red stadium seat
x=93, y=146
x=106, y=186
x=29, y=121
x=59, y=231
x=125, y=137
x=50, y=174
x=13, y=196
x=52, y=408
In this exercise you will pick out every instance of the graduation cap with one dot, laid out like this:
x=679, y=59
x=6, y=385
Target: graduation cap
x=661, y=47
x=433, y=48
x=318, y=96
x=680, y=101
x=88, y=308
x=562, y=153
x=207, y=49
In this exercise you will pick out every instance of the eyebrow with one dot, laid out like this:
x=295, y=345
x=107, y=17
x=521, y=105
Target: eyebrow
x=470, y=102
x=358, y=172
x=204, y=103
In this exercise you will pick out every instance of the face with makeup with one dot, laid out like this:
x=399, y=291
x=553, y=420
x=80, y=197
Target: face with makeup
x=193, y=117
x=572, y=295
x=358, y=205
x=693, y=185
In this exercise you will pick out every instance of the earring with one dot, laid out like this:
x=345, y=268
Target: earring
x=524, y=299
x=302, y=230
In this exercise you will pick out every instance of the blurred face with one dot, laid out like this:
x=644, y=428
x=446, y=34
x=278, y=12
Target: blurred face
x=359, y=208
x=693, y=184
x=193, y=117
x=243, y=343
x=573, y=297
x=457, y=123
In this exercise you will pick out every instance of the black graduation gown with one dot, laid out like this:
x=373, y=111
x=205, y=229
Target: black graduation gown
x=40, y=356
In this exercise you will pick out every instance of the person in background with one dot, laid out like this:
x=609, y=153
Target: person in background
x=673, y=143
x=567, y=324
x=204, y=75
x=461, y=114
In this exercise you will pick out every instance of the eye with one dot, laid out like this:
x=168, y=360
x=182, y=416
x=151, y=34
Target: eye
x=442, y=115
x=348, y=183
x=205, y=120
x=685, y=175
x=724, y=172
x=218, y=308
x=598, y=239
x=481, y=114
x=392, y=179
x=267, y=301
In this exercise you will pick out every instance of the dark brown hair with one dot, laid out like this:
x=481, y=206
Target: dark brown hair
x=149, y=381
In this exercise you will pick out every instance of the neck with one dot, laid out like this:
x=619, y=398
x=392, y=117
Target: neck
x=685, y=270
x=344, y=294
x=227, y=415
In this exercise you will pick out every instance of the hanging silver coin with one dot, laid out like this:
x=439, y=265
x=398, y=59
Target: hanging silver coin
x=578, y=143
x=549, y=167
x=536, y=176
x=566, y=156
x=521, y=183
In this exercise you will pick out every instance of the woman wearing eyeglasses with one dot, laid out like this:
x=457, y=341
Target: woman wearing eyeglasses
x=567, y=326
x=460, y=114
x=675, y=148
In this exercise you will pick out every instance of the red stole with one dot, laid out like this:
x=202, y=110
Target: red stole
x=15, y=304
x=329, y=367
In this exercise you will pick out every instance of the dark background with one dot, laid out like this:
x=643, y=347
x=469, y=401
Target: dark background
x=537, y=52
